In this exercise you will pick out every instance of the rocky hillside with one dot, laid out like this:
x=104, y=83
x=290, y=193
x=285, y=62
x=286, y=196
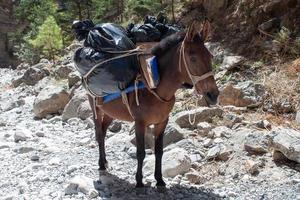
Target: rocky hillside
x=232, y=151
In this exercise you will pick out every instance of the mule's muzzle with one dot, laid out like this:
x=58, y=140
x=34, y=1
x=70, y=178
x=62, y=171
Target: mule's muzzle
x=211, y=97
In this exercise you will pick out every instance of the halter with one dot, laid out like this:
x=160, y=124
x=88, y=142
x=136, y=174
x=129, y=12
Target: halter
x=194, y=78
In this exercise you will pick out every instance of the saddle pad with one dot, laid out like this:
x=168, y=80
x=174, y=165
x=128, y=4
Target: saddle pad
x=155, y=75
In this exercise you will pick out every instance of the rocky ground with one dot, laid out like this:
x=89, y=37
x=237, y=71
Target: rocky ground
x=48, y=149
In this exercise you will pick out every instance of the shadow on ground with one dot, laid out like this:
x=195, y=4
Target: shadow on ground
x=122, y=189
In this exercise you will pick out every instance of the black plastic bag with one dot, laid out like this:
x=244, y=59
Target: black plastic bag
x=108, y=78
x=103, y=42
x=108, y=37
x=145, y=33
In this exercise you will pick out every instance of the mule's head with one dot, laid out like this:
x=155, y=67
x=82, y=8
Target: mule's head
x=196, y=62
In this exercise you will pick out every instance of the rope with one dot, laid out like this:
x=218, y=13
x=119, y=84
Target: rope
x=126, y=102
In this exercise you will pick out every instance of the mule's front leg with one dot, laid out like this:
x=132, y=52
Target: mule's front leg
x=140, y=151
x=101, y=125
x=159, y=135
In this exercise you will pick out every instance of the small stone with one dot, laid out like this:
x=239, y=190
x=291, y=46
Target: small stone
x=296, y=181
x=54, y=161
x=218, y=140
x=264, y=124
x=204, y=128
x=72, y=168
x=22, y=150
x=207, y=142
x=195, y=157
x=149, y=151
x=84, y=141
x=251, y=167
x=115, y=126
x=22, y=136
x=73, y=121
x=40, y=134
x=35, y=158
x=193, y=177
x=55, y=119
x=221, y=131
x=4, y=145
x=132, y=152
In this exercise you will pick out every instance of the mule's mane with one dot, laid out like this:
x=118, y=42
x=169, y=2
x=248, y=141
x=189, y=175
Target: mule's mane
x=167, y=43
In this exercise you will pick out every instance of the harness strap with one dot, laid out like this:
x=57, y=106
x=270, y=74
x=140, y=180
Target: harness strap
x=182, y=59
x=126, y=102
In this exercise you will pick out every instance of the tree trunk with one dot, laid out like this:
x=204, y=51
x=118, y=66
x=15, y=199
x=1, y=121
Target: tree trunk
x=173, y=14
x=8, y=24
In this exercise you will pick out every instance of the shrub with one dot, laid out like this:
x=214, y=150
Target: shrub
x=49, y=38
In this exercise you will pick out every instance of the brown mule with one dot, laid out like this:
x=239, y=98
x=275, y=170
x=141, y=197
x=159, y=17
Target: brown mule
x=182, y=59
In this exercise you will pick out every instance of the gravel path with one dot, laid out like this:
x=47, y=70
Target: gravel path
x=49, y=153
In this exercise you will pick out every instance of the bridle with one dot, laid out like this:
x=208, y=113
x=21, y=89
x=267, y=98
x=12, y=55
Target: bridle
x=182, y=60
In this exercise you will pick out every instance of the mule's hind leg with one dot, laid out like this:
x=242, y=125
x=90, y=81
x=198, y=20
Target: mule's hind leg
x=159, y=135
x=140, y=151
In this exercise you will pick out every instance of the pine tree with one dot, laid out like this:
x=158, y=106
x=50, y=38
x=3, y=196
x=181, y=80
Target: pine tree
x=49, y=38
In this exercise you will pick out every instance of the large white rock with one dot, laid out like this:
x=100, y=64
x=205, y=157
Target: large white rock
x=50, y=100
x=78, y=106
x=287, y=141
x=81, y=184
x=174, y=162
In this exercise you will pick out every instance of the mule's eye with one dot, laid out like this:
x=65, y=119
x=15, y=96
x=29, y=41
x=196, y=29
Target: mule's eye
x=193, y=59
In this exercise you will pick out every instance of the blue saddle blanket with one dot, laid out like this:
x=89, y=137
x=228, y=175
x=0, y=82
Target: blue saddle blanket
x=155, y=75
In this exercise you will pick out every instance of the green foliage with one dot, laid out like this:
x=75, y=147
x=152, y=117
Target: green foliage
x=141, y=8
x=49, y=38
x=287, y=44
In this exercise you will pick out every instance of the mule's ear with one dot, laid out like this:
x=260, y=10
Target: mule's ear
x=205, y=30
x=193, y=30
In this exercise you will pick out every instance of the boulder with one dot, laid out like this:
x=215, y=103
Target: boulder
x=231, y=62
x=243, y=94
x=84, y=110
x=201, y=114
x=51, y=100
x=286, y=141
x=174, y=162
x=71, y=109
x=31, y=76
x=216, y=50
x=219, y=151
x=62, y=71
x=256, y=143
x=73, y=78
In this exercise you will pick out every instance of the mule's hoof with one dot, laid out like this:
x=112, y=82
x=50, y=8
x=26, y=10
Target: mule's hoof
x=161, y=189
